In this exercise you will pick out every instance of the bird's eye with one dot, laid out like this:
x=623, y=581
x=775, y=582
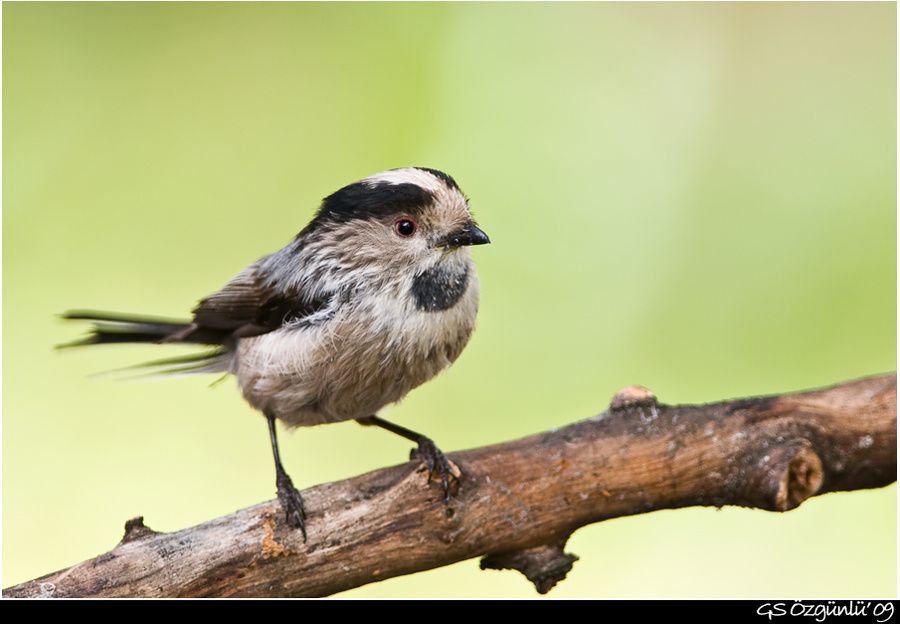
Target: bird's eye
x=405, y=227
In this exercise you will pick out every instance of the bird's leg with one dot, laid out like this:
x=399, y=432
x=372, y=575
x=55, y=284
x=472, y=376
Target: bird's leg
x=438, y=465
x=288, y=496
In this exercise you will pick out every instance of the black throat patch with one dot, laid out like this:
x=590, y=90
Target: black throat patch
x=439, y=288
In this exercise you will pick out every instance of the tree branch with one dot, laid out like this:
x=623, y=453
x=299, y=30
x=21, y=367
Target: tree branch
x=518, y=501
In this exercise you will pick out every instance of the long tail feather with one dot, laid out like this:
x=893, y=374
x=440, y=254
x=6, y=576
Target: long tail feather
x=111, y=328
x=215, y=361
x=118, y=328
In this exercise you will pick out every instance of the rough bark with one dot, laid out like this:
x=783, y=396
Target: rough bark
x=519, y=501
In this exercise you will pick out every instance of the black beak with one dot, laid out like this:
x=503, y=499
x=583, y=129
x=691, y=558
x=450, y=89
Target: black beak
x=471, y=234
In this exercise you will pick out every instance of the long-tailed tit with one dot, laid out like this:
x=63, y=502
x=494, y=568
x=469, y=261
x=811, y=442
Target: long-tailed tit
x=371, y=299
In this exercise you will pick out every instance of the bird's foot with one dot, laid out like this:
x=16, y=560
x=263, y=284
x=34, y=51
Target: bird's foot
x=439, y=467
x=291, y=503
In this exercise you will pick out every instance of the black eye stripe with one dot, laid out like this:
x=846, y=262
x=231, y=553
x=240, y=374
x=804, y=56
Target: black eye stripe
x=364, y=200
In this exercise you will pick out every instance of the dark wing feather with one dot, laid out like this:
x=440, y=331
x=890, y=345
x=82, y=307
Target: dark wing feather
x=246, y=307
x=237, y=304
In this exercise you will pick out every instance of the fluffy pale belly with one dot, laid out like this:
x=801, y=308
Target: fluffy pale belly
x=353, y=365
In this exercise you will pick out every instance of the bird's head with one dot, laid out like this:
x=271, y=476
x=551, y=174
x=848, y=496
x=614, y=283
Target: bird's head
x=412, y=217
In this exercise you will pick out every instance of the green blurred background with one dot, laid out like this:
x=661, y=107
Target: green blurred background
x=698, y=198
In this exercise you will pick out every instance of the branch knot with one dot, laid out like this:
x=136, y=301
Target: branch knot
x=632, y=396
x=787, y=475
x=135, y=529
x=545, y=566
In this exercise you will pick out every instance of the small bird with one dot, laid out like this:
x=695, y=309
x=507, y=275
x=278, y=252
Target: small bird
x=375, y=296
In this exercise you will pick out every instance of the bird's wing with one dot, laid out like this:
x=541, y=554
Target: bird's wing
x=247, y=306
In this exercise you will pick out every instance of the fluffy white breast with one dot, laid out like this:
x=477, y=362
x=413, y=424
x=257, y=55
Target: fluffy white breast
x=370, y=353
